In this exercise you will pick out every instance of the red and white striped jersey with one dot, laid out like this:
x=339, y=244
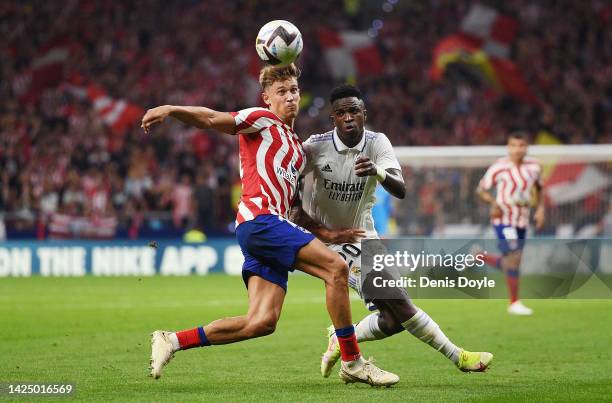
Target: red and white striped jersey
x=271, y=161
x=513, y=185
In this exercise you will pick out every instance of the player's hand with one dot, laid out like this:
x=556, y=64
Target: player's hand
x=344, y=235
x=364, y=167
x=496, y=211
x=155, y=115
x=539, y=216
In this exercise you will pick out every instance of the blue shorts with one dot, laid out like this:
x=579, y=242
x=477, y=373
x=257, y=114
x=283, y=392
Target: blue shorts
x=510, y=238
x=270, y=244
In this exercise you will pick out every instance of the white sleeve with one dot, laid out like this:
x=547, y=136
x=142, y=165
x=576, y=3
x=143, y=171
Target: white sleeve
x=486, y=183
x=308, y=150
x=384, y=155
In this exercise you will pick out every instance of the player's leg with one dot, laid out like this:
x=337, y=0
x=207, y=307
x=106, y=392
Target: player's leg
x=510, y=266
x=265, y=305
x=397, y=312
x=319, y=261
x=511, y=241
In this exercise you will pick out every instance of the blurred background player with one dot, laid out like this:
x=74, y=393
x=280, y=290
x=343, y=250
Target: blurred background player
x=347, y=163
x=271, y=158
x=516, y=179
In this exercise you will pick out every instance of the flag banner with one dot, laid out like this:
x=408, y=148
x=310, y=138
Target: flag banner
x=483, y=47
x=350, y=53
x=118, y=114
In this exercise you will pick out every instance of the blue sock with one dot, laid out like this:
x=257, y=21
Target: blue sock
x=345, y=331
x=203, y=339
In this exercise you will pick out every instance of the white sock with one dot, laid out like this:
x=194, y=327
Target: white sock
x=368, y=329
x=425, y=329
x=174, y=340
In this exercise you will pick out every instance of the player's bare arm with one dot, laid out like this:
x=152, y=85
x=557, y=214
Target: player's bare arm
x=488, y=198
x=540, y=212
x=391, y=179
x=327, y=235
x=198, y=116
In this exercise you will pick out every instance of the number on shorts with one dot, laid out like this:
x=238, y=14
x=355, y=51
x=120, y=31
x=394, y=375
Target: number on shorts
x=351, y=249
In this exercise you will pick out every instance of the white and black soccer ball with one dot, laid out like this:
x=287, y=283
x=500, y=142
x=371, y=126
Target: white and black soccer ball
x=279, y=43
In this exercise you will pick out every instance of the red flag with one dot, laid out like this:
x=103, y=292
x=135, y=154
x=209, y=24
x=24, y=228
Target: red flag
x=350, y=53
x=46, y=70
x=118, y=114
x=484, y=44
x=571, y=182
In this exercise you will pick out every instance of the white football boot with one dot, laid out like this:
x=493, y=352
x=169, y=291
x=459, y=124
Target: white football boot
x=332, y=354
x=366, y=372
x=161, y=352
x=517, y=308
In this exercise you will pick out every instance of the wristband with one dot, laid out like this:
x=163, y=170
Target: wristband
x=381, y=174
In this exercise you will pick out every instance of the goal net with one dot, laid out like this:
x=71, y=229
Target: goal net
x=442, y=181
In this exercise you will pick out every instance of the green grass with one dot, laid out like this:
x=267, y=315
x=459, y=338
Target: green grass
x=94, y=332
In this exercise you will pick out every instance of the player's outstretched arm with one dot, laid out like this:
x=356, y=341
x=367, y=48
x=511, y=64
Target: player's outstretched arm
x=198, y=116
x=344, y=235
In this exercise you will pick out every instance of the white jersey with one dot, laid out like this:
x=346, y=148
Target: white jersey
x=339, y=198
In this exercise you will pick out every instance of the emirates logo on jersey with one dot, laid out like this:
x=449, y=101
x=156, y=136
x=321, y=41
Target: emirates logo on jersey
x=290, y=176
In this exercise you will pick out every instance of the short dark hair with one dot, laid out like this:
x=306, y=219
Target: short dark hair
x=518, y=134
x=344, y=91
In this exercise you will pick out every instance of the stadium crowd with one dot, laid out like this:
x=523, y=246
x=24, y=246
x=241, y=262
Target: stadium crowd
x=59, y=157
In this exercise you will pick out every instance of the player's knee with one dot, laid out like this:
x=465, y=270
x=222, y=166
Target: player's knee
x=513, y=259
x=404, y=309
x=338, y=273
x=389, y=325
x=262, y=326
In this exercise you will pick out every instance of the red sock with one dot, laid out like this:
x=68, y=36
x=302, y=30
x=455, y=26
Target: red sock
x=192, y=338
x=492, y=260
x=349, y=349
x=512, y=279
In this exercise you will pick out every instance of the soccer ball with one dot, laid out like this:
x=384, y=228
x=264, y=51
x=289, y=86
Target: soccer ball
x=279, y=43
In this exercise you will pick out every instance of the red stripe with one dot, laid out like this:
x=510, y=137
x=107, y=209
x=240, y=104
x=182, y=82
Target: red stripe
x=252, y=117
x=523, y=178
x=286, y=162
x=269, y=168
x=512, y=190
x=299, y=162
x=249, y=144
x=494, y=179
x=505, y=203
x=239, y=218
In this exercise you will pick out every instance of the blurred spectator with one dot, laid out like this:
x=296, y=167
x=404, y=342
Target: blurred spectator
x=59, y=156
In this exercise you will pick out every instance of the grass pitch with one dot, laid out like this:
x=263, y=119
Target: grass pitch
x=94, y=332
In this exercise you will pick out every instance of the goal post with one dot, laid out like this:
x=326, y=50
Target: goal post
x=442, y=181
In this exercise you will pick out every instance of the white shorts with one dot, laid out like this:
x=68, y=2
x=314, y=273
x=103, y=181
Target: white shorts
x=351, y=253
